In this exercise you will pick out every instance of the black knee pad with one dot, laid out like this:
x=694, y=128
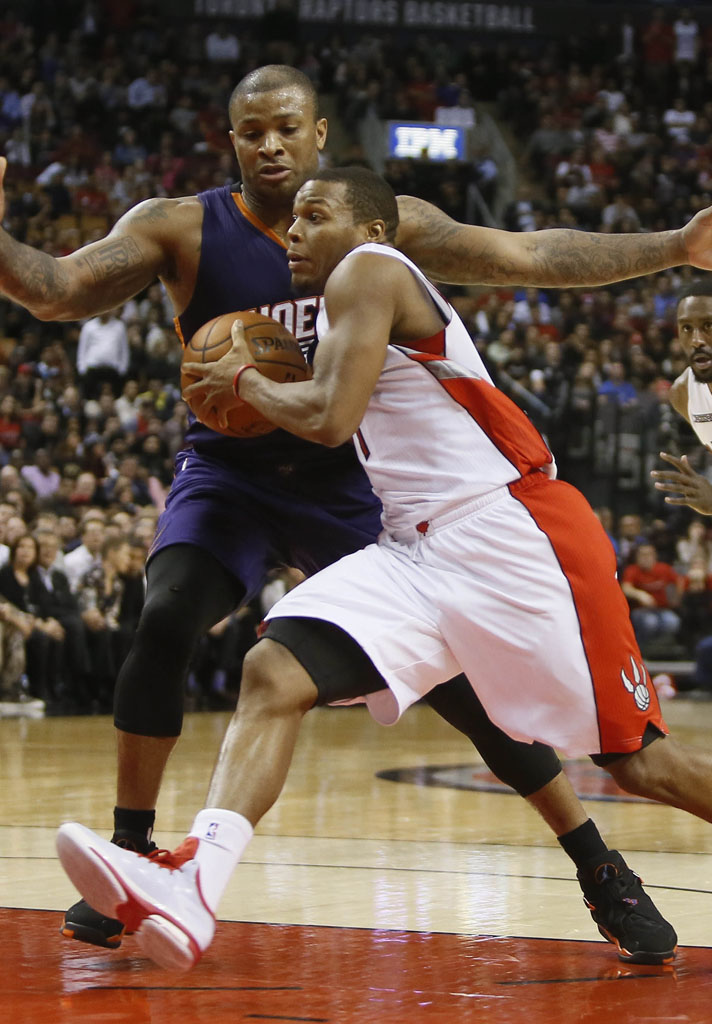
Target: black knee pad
x=148, y=698
x=526, y=767
x=188, y=592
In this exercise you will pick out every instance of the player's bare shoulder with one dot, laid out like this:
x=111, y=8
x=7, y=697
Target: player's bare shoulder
x=175, y=222
x=368, y=273
x=168, y=232
x=366, y=285
x=679, y=397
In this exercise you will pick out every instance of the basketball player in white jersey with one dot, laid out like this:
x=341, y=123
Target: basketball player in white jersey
x=690, y=395
x=486, y=564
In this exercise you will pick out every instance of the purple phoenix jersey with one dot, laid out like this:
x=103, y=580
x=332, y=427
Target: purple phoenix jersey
x=255, y=503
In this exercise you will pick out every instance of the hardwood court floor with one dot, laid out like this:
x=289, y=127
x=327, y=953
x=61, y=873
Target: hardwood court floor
x=361, y=899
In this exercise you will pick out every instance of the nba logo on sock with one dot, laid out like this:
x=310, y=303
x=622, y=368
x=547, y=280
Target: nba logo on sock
x=212, y=830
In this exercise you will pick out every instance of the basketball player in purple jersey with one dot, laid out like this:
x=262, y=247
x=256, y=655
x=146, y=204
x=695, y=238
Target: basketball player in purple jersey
x=238, y=507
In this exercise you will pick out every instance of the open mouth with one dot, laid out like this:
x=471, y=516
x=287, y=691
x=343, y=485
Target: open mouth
x=702, y=360
x=294, y=260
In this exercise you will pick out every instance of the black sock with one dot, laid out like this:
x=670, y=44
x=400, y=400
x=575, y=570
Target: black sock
x=584, y=843
x=140, y=822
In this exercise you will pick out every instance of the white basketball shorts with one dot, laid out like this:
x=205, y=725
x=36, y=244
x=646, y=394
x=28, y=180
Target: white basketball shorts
x=518, y=590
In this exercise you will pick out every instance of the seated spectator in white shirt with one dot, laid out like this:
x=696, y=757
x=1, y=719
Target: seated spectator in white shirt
x=88, y=555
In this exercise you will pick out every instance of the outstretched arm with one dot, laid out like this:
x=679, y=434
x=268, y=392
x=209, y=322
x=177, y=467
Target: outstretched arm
x=96, y=277
x=554, y=258
x=349, y=358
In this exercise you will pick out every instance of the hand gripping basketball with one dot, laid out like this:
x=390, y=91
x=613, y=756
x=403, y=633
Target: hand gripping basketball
x=218, y=350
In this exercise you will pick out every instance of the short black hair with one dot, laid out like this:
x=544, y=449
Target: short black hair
x=275, y=76
x=369, y=195
x=701, y=286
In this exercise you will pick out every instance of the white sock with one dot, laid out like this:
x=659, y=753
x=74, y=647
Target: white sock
x=223, y=837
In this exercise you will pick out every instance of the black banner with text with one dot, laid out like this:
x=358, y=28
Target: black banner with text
x=521, y=19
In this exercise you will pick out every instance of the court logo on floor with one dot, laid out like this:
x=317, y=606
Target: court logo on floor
x=590, y=782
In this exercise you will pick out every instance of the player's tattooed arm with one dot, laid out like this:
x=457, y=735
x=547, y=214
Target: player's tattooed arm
x=470, y=254
x=94, y=278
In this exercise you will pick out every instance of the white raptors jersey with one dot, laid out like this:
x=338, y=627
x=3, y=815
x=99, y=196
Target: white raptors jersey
x=699, y=406
x=437, y=433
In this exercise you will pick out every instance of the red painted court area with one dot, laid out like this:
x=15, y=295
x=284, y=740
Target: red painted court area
x=258, y=972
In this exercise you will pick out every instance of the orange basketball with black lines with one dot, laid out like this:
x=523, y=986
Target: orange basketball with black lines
x=275, y=353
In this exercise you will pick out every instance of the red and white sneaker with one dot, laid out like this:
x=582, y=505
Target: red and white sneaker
x=156, y=895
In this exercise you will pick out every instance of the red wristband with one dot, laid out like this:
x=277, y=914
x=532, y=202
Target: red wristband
x=236, y=378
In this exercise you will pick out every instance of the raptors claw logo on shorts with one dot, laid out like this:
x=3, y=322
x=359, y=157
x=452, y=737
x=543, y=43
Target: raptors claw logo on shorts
x=639, y=686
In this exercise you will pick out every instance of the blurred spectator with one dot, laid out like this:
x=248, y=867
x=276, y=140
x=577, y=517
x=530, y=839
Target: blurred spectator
x=146, y=91
x=605, y=518
x=214, y=679
x=87, y=555
x=127, y=405
x=10, y=424
x=657, y=50
x=101, y=594
x=41, y=475
x=85, y=491
x=221, y=45
x=461, y=114
x=616, y=388
x=678, y=120
x=686, y=31
x=619, y=215
x=695, y=546
x=695, y=608
x=128, y=149
x=15, y=697
x=20, y=585
x=630, y=536
x=653, y=591
x=62, y=605
x=103, y=353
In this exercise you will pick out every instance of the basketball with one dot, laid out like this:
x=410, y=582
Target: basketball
x=275, y=353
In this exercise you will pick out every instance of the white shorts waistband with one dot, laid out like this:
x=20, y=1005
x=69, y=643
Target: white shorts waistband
x=429, y=526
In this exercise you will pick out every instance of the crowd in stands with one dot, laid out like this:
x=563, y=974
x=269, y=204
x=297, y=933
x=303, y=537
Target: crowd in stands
x=123, y=105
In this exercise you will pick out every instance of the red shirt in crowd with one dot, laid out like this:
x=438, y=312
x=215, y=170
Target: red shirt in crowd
x=655, y=580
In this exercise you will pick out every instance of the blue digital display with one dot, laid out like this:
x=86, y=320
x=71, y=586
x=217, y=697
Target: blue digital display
x=434, y=141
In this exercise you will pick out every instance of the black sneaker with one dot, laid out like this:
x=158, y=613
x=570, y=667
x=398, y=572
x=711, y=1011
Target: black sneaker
x=625, y=915
x=83, y=923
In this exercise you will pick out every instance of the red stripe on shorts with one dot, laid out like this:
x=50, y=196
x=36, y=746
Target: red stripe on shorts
x=622, y=684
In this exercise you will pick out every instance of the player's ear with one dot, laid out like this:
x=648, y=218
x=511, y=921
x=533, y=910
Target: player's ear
x=321, y=130
x=377, y=231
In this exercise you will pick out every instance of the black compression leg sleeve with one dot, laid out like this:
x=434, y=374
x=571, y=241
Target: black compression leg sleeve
x=525, y=767
x=187, y=592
